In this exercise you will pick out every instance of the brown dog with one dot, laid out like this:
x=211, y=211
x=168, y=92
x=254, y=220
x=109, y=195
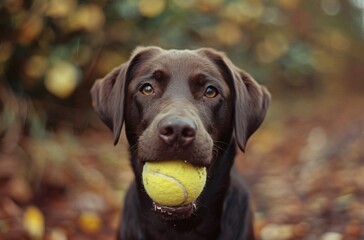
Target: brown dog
x=189, y=105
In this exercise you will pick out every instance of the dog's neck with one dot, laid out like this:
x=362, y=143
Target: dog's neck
x=219, y=173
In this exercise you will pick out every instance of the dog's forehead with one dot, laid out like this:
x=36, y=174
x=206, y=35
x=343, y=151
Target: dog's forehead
x=184, y=62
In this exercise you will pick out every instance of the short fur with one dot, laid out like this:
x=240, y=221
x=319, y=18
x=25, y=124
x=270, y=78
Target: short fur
x=178, y=120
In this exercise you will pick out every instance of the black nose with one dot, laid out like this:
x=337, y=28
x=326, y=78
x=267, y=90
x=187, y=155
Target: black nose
x=177, y=130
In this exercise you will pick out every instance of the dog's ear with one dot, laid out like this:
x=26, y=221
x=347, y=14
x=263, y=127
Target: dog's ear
x=250, y=99
x=108, y=99
x=251, y=104
x=109, y=93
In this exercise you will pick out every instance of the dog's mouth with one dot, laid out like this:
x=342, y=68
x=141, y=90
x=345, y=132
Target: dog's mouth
x=175, y=213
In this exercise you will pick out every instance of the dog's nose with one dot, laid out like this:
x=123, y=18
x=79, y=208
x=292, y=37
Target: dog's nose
x=177, y=130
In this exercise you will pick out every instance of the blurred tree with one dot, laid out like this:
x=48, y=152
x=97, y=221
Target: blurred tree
x=51, y=51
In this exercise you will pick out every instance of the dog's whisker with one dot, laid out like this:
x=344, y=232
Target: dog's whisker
x=216, y=149
x=222, y=144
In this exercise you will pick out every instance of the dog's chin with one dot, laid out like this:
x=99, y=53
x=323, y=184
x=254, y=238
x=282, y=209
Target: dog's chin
x=174, y=213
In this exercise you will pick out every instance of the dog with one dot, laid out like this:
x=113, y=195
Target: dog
x=193, y=105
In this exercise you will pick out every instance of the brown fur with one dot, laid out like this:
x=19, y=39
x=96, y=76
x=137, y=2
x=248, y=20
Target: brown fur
x=178, y=121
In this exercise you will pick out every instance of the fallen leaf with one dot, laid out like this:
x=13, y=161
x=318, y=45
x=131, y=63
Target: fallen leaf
x=33, y=222
x=90, y=222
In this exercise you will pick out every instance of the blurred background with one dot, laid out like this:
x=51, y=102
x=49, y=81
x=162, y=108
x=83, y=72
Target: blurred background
x=62, y=178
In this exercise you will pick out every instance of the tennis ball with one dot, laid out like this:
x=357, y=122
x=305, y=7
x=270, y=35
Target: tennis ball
x=173, y=183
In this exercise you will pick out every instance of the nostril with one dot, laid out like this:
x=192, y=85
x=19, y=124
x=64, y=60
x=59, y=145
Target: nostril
x=189, y=132
x=166, y=131
x=188, y=135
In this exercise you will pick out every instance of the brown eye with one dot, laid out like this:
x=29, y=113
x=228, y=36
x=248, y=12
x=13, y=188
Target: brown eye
x=211, y=92
x=147, y=89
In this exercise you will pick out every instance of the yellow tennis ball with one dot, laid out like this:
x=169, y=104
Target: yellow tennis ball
x=173, y=183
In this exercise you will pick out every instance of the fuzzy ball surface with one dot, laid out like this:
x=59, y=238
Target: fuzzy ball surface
x=173, y=183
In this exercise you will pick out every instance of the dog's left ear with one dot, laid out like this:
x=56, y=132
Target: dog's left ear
x=251, y=100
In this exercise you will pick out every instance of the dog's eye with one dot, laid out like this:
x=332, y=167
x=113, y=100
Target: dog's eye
x=147, y=89
x=211, y=92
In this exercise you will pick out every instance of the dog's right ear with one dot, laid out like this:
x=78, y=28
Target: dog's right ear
x=109, y=93
x=108, y=99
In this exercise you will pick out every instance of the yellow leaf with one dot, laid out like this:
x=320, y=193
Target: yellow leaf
x=60, y=8
x=88, y=17
x=35, y=66
x=228, y=33
x=33, y=222
x=151, y=8
x=90, y=222
x=62, y=79
x=57, y=234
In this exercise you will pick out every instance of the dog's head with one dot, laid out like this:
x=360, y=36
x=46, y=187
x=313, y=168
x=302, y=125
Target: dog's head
x=180, y=104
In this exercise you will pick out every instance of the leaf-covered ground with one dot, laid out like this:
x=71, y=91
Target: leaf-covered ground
x=305, y=169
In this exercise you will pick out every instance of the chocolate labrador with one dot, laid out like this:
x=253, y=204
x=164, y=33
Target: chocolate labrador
x=193, y=105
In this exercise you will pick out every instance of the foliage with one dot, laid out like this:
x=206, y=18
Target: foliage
x=60, y=176
x=53, y=50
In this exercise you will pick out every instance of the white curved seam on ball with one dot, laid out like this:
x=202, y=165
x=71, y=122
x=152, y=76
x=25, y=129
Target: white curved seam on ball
x=185, y=194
